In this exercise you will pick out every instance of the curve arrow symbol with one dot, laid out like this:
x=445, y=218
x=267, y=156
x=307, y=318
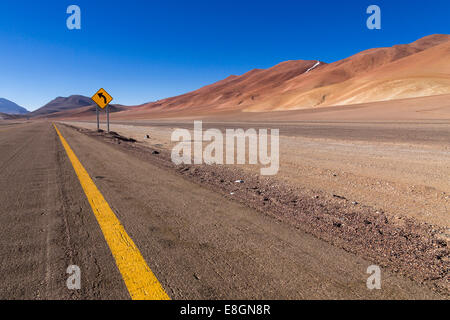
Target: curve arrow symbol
x=101, y=95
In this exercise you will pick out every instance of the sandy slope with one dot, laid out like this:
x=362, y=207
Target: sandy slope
x=422, y=108
x=423, y=74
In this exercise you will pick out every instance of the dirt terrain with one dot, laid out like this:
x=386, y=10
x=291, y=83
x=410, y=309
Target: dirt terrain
x=200, y=243
x=400, y=167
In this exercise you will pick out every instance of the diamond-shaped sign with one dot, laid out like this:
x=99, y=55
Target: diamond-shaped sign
x=102, y=98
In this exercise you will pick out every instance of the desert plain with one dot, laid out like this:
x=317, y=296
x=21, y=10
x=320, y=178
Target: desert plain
x=364, y=167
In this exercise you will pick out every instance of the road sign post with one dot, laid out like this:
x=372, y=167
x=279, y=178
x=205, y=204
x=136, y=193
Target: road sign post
x=98, y=122
x=102, y=99
x=107, y=117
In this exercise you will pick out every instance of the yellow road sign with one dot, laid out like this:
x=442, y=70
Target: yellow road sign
x=102, y=98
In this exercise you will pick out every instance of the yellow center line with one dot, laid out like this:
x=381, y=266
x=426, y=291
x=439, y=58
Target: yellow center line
x=139, y=279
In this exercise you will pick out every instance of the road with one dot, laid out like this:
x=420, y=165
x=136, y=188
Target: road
x=198, y=244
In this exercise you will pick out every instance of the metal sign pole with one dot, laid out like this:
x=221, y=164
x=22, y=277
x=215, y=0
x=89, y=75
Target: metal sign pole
x=102, y=99
x=107, y=116
x=98, y=123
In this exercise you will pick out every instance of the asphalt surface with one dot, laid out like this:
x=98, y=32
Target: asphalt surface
x=197, y=243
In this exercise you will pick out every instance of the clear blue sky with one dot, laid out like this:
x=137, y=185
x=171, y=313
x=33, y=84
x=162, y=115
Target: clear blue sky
x=142, y=51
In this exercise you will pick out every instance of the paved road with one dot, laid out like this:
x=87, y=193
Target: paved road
x=198, y=244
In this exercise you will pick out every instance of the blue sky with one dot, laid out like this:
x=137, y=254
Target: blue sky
x=142, y=51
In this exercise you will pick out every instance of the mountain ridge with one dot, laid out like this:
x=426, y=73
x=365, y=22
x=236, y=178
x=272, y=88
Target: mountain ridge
x=62, y=104
x=71, y=106
x=10, y=107
x=288, y=85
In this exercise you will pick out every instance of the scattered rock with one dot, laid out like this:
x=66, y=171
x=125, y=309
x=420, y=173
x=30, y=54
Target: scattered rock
x=443, y=239
x=155, y=152
x=440, y=242
x=441, y=254
x=120, y=137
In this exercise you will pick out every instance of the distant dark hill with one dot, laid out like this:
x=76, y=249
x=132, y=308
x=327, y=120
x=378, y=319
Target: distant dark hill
x=81, y=112
x=71, y=107
x=10, y=107
x=63, y=104
x=5, y=116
